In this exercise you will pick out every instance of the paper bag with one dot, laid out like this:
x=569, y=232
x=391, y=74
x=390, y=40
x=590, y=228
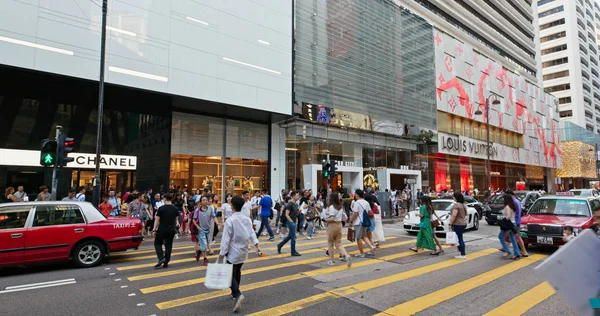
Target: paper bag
x=451, y=238
x=218, y=275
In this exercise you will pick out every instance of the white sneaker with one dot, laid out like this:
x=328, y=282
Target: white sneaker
x=309, y=238
x=330, y=263
x=176, y=236
x=238, y=303
x=359, y=255
x=460, y=257
x=212, y=243
x=277, y=231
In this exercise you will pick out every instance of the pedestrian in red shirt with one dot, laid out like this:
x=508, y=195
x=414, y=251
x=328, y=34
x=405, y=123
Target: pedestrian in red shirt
x=105, y=207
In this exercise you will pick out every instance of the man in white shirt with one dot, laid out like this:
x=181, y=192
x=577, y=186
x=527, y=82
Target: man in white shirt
x=81, y=195
x=360, y=208
x=234, y=244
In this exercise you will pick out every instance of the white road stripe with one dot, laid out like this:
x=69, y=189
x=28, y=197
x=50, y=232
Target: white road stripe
x=124, y=286
x=36, y=284
x=37, y=287
x=141, y=304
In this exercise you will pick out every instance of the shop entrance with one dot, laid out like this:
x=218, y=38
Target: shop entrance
x=117, y=180
x=350, y=178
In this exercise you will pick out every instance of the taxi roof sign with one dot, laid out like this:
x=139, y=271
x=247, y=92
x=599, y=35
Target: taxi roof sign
x=565, y=194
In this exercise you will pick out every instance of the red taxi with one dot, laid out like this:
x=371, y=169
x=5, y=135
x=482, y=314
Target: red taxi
x=544, y=222
x=34, y=232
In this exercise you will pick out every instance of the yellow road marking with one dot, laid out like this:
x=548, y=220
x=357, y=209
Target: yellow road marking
x=164, y=287
x=424, y=302
x=280, y=280
x=364, y=286
x=214, y=248
x=149, y=265
x=524, y=302
x=194, y=269
x=139, y=252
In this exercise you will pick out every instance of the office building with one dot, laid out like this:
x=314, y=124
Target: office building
x=569, y=47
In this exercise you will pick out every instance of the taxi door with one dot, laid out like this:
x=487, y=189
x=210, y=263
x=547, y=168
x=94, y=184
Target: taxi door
x=55, y=228
x=13, y=220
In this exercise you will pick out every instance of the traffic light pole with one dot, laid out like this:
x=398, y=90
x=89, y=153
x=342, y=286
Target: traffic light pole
x=55, y=168
x=96, y=193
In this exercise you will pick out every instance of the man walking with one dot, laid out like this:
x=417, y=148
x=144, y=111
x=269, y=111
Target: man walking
x=166, y=224
x=202, y=221
x=291, y=214
x=234, y=244
x=265, y=204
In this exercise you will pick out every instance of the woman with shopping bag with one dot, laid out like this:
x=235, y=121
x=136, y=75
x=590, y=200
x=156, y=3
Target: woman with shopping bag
x=458, y=222
x=425, y=236
x=234, y=244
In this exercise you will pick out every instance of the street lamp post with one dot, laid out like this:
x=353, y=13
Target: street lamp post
x=97, y=187
x=487, y=129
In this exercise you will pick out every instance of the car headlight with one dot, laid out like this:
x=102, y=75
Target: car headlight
x=444, y=217
x=523, y=227
x=407, y=217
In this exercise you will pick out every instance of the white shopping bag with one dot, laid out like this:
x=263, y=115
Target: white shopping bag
x=257, y=224
x=218, y=275
x=451, y=238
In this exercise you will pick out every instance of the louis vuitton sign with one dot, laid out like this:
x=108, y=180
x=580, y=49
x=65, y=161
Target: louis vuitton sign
x=464, y=146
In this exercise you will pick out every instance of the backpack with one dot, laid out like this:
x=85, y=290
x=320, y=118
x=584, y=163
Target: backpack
x=365, y=222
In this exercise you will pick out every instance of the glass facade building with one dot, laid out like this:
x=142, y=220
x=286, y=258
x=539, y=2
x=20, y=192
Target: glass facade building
x=366, y=56
x=364, y=82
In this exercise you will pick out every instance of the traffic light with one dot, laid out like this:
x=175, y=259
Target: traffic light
x=325, y=168
x=48, y=152
x=333, y=169
x=65, y=146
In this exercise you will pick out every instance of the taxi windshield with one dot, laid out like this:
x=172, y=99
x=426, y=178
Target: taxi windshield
x=560, y=207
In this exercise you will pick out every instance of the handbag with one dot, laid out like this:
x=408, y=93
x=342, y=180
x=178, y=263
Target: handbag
x=218, y=275
x=506, y=225
x=351, y=235
x=435, y=223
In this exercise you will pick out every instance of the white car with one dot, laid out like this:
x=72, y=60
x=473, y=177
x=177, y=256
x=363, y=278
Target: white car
x=442, y=209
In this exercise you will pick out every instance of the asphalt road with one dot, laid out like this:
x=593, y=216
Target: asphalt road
x=395, y=282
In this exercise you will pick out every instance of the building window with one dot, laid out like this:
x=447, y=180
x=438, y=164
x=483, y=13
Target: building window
x=553, y=37
x=556, y=75
x=564, y=100
x=568, y=113
x=561, y=87
x=554, y=49
x=555, y=62
x=551, y=11
x=552, y=24
x=542, y=2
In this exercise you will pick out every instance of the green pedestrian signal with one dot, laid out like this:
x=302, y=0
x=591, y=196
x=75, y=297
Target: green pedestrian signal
x=48, y=159
x=48, y=152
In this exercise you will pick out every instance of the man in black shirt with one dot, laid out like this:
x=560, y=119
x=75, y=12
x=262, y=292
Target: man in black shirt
x=291, y=214
x=166, y=224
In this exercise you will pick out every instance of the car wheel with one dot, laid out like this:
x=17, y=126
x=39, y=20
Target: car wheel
x=475, y=222
x=88, y=254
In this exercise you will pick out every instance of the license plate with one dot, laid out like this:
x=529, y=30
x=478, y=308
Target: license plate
x=500, y=217
x=545, y=240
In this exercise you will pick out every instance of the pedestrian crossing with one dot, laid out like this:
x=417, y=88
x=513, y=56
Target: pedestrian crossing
x=180, y=287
